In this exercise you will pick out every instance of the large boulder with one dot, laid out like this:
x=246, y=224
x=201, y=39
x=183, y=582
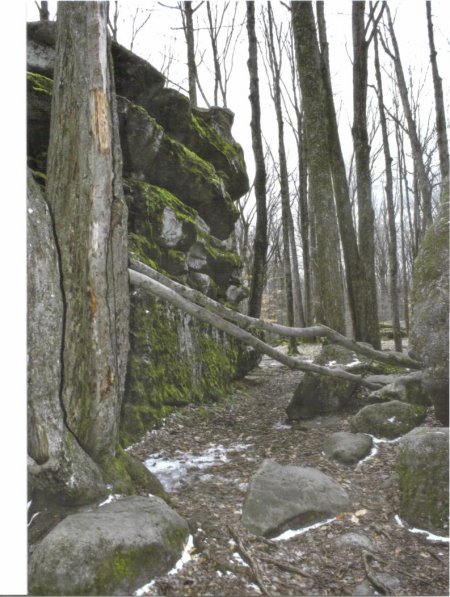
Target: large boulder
x=347, y=448
x=282, y=497
x=430, y=308
x=422, y=473
x=111, y=550
x=389, y=419
x=319, y=394
x=410, y=388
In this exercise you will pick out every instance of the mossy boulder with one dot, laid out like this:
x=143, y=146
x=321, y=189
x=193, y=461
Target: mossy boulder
x=407, y=388
x=422, y=474
x=319, y=394
x=429, y=338
x=389, y=419
x=111, y=550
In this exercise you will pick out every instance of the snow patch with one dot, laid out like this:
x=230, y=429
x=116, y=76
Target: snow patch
x=172, y=471
x=428, y=536
x=392, y=420
x=281, y=425
x=32, y=518
x=372, y=453
x=237, y=557
x=293, y=533
x=112, y=497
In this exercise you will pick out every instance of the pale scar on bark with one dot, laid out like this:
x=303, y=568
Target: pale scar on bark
x=99, y=119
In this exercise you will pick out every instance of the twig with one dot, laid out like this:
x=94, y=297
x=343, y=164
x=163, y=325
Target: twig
x=284, y=566
x=250, y=561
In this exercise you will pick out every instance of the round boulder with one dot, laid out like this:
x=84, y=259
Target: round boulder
x=422, y=473
x=111, y=550
x=281, y=497
x=348, y=448
x=389, y=419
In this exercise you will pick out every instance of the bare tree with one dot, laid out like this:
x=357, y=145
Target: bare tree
x=389, y=188
x=363, y=173
x=417, y=150
x=136, y=28
x=260, y=242
x=441, y=128
x=44, y=14
x=113, y=24
x=326, y=263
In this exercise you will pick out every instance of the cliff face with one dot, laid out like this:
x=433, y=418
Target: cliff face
x=182, y=173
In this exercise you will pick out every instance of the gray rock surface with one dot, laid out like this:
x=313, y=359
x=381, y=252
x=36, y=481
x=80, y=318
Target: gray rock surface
x=348, y=448
x=407, y=388
x=389, y=419
x=281, y=497
x=356, y=540
x=319, y=395
x=423, y=478
x=112, y=550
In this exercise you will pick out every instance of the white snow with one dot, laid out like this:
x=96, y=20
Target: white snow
x=392, y=420
x=372, y=453
x=281, y=425
x=428, y=536
x=237, y=557
x=290, y=533
x=172, y=471
x=111, y=498
x=32, y=518
x=30, y=211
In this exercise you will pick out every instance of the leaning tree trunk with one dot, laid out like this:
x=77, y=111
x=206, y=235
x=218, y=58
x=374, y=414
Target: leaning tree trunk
x=423, y=181
x=260, y=242
x=328, y=286
x=86, y=199
x=366, y=228
x=441, y=128
x=393, y=261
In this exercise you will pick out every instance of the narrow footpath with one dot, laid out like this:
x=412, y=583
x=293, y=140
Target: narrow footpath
x=205, y=457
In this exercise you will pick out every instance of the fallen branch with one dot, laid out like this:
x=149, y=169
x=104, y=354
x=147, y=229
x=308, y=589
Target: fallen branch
x=246, y=556
x=389, y=357
x=173, y=297
x=284, y=566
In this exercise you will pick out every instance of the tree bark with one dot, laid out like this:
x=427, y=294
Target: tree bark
x=393, y=261
x=85, y=195
x=441, y=128
x=366, y=229
x=260, y=242
x=328, y=287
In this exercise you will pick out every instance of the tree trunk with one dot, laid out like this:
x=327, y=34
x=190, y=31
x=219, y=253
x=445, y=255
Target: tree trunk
x=441, y=128
x=86, y=199
x=328, y=287
x=260, y=242
x=286, y=216
x=357, y=297
x=190, y=44
x=366, y=229
x=423, y=182
x=393, y=262
x=44, y=14
x=304, y=217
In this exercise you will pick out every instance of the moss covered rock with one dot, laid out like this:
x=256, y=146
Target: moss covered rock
x=318, y=394
x=422, y=474
x=430, y=308
x=111, y=550
x=389, y=419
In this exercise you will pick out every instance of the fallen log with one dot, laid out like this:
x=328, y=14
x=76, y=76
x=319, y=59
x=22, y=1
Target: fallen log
x=393, y=358
x=174, y=297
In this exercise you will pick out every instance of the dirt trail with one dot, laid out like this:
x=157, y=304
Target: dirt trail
x=225, y=444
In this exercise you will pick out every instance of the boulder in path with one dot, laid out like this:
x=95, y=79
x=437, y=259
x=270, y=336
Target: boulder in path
x=348, y=447
x=422, y=473
x=282, y=497
x=112, y=550
x=407, y=388
x=389, y=419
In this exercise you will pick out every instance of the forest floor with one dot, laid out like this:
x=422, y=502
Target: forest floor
x=206, y=456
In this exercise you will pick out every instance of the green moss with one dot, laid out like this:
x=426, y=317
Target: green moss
x=232, y=151
x=40, y=83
